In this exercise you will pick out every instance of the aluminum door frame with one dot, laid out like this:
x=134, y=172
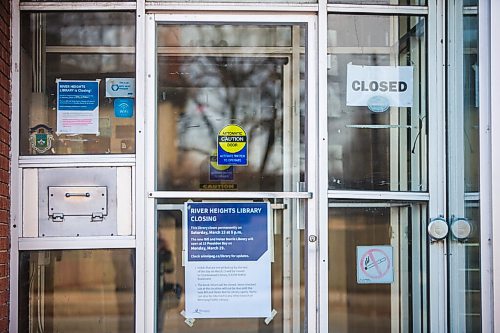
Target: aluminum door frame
x=145, y=291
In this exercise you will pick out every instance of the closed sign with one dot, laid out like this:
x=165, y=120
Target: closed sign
x=379, y=87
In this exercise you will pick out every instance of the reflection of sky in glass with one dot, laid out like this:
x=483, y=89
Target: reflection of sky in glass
x=93, y=63
x=76, y=46
x=471, y=31
x=221, y=91
x=470, y=3
x=216, y=85
x=91, y=29
x=223, y=35
x=361, y=143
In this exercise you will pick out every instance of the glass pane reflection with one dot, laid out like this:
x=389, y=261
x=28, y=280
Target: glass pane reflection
x=83, y=46
x=77, y=291
x=399, y=306
x=209, y=78
x=464, y=181
x=369, y=149
x=287, y=279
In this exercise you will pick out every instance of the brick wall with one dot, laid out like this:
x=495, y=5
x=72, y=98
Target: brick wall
x=5, y=97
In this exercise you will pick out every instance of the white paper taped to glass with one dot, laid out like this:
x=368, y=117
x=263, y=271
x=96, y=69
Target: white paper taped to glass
x=379, y=87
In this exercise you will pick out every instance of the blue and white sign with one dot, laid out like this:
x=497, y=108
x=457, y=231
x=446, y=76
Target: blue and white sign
x=124, y=107
x=379, y=87
x=227, y=248
x=374, y=264
x=77, y=107
x=232, y=146
x=120, y=87
x=219, y=172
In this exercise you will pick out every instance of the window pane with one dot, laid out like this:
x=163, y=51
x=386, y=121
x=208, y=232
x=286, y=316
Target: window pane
x=383, y=2
x=464, y=286
x=79, y=49
x=287, y=281
x=214, y=76
x=377, y=143
x=77, y=291
x=377, y=256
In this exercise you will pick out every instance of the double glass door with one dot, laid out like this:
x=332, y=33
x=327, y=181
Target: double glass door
x=242, y=116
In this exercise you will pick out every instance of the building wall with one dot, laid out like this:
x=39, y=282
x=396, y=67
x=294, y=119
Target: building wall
x=5, y=117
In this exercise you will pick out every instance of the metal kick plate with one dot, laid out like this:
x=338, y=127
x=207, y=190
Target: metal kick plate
x=78, y=200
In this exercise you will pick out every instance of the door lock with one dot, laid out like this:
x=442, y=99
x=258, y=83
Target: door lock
x=461, y=228
x=437, y=228
x=313, y=238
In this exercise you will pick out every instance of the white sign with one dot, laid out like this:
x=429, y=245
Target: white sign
x=227, y=259
x=379, y=87
x=374, y=264
x=120, y=87
x=77, y=107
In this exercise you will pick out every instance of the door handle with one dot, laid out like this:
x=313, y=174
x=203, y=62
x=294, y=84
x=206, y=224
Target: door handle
x=68, y=194
x=461, y=228
x=437, y=228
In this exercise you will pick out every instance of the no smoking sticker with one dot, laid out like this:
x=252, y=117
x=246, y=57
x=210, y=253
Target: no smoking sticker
x=374, y=264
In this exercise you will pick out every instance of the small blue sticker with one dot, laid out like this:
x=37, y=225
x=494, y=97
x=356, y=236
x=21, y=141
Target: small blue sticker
x=378, y=104
x=124, y=107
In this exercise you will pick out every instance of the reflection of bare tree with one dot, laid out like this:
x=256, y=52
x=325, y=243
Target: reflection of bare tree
x=214, y=91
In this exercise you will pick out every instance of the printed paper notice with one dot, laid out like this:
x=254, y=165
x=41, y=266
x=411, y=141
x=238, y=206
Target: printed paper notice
x=228, y=265
x=77, y=107
x=379, y=87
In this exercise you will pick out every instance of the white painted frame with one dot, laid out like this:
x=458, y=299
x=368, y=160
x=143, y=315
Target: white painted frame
x=16, y=174
x=489, y=122
x=437, y=263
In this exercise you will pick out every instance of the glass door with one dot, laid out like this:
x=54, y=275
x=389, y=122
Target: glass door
x=384, y=270
x=464, y=281
x=404, y=225
x=230, y=192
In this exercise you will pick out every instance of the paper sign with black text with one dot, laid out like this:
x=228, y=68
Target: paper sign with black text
x=379, y=87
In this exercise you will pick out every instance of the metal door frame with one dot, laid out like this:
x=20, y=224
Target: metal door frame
x=145, y=236
x=435, y=197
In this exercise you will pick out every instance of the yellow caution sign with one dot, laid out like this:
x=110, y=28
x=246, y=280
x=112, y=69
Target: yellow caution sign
x=232, y=146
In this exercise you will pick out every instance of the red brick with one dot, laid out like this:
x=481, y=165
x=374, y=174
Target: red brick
x=4, y=232
x=6, y=6
x=4, y=285
x=4, y=324
x=4, y=308
x=4, y=203
x=4, y=245
x=4, y=122
x=4, y=215
x=4, y=272
x=4, y=257
x=5, y=116
x=4, y=297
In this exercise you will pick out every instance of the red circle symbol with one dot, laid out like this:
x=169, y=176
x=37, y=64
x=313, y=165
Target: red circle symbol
x=375, y=263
